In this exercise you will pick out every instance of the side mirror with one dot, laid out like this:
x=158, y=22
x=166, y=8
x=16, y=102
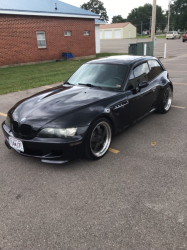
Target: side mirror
x=143, y=84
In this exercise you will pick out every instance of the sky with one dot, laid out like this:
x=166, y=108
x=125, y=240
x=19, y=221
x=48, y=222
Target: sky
x=120, y=7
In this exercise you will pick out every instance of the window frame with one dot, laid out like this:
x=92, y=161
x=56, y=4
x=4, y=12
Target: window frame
x=41, y=47
x=67, y=32
x=86, y=31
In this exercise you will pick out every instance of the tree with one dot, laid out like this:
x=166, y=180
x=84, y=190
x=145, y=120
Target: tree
x=178, y=15
x=118, y=19
x=97, y=7
x=144, y=14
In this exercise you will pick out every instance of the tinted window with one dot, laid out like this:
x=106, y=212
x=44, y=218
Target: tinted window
x=142, y=73
x=139, y=74
x=170, y=32
x=131, y=83
x=155, y=68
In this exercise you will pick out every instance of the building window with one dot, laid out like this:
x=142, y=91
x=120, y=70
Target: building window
x=86, y=33
x=67, y=33
x=41, y=40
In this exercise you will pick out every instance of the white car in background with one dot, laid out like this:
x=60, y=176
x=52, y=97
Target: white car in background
x=172, y=35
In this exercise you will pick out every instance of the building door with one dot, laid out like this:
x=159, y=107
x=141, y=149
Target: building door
x=117, y=33
x=108, y=34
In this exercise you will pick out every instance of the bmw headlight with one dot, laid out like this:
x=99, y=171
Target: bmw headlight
x=57, y=132
x=7, y=121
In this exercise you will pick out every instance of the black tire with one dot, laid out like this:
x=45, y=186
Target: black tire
x=165, y=102
x=179, y=37
x=97, y=142
x=183, y=40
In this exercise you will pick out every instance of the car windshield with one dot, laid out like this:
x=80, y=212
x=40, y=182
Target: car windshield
x=100, y=75
x=170, y=32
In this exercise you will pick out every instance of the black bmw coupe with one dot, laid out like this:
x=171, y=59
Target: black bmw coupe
x=78, y=118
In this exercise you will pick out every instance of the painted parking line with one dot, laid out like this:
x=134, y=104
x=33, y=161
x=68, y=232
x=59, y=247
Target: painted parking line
x=3, y=114
x=113, y=151
x=178, y=107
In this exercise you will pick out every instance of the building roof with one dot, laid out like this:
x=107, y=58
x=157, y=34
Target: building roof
x=97, y=21
x=44, y=8
x=114, y=25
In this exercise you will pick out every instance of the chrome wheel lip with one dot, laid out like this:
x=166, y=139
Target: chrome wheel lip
x=167, y=99
x=107, y=141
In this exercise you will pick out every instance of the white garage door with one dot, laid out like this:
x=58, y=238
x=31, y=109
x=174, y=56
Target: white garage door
x=117, y=33
x=108, y=34
x=101, y=34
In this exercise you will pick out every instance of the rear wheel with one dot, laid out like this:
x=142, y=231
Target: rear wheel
x=166, y=100
x=98, y=139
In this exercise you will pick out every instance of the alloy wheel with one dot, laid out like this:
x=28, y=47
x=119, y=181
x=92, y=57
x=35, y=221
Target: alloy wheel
x=167, y=98
x=100, y=139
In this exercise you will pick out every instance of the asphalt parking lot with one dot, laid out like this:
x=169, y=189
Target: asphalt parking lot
x=174, y=47
x=133, y=198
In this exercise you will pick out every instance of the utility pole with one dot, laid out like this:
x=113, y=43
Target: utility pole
x=153, y=21
x=168, y=14
x=150, y=26
x=141, y=28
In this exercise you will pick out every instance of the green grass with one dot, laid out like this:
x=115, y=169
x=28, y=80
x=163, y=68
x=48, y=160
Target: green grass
x=142, y=37
x=161, y=37
x=17, y=78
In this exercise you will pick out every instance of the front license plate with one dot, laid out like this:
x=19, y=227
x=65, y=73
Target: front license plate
x=16, y=144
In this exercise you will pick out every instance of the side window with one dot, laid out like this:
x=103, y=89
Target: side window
x=131, y=82
x=139, y=74
x=155, y=68
x=142, y=73
x=41, y=39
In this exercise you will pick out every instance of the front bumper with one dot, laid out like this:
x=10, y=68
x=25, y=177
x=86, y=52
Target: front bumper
x=49, y=150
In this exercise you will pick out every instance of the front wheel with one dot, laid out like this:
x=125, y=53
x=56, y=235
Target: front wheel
x=166, y=100
x=98, y=139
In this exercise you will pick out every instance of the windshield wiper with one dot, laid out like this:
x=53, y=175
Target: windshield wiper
x=89, y=85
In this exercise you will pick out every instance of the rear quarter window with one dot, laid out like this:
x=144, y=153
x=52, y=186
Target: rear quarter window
x=155, y=68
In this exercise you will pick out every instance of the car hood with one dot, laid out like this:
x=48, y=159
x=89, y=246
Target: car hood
x=51, y=104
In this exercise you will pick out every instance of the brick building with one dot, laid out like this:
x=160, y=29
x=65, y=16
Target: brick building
x=41, y=30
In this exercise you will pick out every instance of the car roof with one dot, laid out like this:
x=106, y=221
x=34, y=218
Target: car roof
x=122, y=59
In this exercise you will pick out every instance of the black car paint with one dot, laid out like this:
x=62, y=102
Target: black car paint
x=79, y=106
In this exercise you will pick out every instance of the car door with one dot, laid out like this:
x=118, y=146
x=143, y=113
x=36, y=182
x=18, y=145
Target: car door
x=141, y=100
x=157, y=79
